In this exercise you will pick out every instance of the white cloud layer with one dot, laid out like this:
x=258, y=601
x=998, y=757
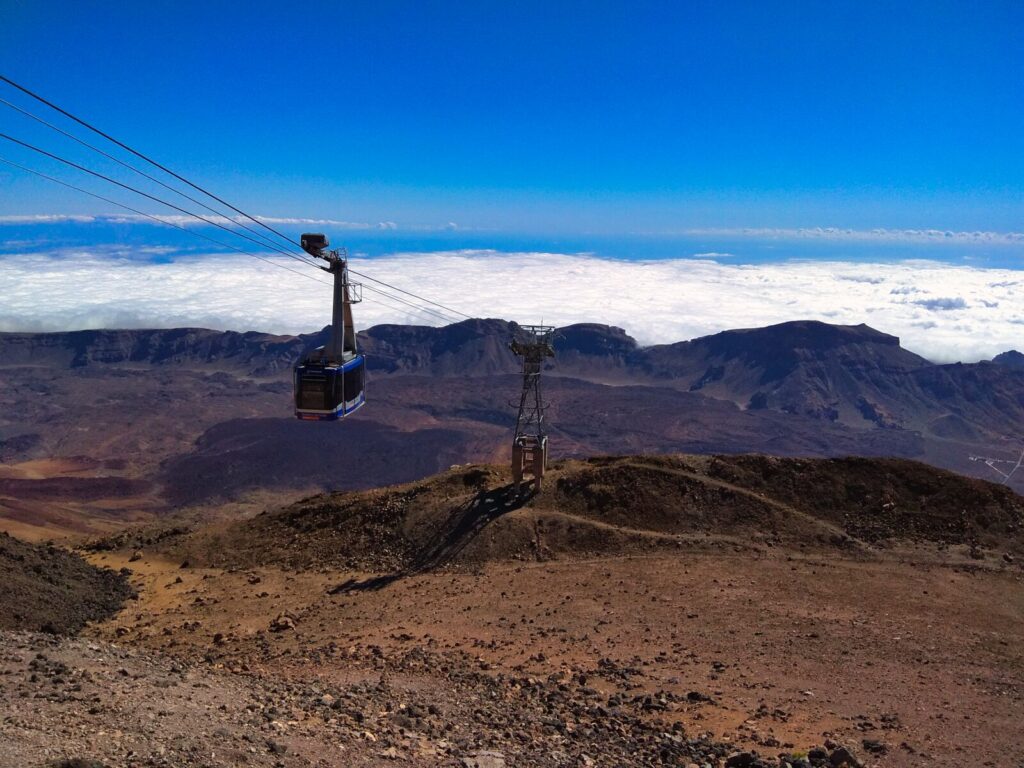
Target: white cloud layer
x=47, y=218
x=944, y=312
x=825, y=234
x=932, y=236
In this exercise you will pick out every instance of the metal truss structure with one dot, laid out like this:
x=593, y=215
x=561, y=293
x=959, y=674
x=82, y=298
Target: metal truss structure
x=534, y=344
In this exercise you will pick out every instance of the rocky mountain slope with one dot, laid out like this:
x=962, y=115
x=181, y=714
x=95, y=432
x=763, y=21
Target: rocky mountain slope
x=639, y=610
x=97, y=426
x=850, y=374
x=1013, y=359
x=616, y=506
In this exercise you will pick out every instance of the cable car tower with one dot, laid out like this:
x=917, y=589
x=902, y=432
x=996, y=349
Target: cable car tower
x=530, y=442
x=329, y=382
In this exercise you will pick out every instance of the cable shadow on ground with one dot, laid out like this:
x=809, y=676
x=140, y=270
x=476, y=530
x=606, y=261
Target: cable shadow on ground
x=462, y=526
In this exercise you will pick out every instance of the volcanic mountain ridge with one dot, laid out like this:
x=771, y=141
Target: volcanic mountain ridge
x=187, y=417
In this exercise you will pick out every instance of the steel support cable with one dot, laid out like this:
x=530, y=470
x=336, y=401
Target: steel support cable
x=391, y=296
x=143, y=194
x=158, y=220
x=400, y=309
x=138, y=154
x=265, y=241
x=410, y=293
x=124, y=146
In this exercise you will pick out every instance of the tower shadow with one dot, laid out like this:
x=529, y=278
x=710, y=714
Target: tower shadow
x=462, y=526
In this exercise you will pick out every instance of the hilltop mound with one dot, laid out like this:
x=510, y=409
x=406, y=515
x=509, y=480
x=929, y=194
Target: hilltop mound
x=622, y=505
x=53, y=590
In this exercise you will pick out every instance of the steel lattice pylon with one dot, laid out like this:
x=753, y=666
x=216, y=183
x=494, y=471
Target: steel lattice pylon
x=533, y=343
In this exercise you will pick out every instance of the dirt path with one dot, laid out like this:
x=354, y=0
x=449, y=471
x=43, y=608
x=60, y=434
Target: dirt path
x=788, y=510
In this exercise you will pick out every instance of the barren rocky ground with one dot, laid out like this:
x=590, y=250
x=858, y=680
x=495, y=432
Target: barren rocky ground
x=638, y=611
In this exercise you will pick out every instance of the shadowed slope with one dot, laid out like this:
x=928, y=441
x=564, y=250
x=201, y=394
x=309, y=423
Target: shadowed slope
x=622, y=505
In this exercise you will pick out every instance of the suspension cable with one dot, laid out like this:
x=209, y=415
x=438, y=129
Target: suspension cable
x=410, y=293
x=138, y=154
x=433, y=312
x=266, y=241
x=140, y=192
x=158, y=220
x=194, y=186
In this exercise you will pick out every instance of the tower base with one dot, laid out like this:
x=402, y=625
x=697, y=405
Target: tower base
x=529, y=457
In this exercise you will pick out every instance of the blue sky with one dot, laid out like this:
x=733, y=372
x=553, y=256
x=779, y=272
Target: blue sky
x=677, y=168
x=558, y=118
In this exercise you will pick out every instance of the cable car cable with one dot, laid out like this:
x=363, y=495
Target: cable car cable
x=194, y=186
x=144, y=194
x=433, y=312
x=268, y=242
x=158, y=220
x=138, y=154
x=410, y=293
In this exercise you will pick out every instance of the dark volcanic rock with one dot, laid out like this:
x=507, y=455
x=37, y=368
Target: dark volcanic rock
x=18, y=447
x=54, y=590
x=798, y=388
x=778, y=350
x=882, y=499
x=806, y=367
x=286, y=453
x=616, y=506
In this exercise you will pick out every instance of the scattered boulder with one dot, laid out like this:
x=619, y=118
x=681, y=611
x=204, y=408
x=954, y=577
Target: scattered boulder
x=842, y=757
x=741, y=760
x=874, y=746
x=282, y=622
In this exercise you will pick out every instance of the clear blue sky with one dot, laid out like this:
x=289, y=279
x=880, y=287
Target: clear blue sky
x=560, y=117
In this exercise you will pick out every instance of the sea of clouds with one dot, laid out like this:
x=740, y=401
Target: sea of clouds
x=942, y=311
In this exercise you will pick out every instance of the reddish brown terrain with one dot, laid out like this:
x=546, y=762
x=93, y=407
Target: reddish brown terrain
x=99, y=428
x=375, y=593
x=669, y=610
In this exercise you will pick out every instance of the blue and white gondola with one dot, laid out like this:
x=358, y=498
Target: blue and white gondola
x=327, y=391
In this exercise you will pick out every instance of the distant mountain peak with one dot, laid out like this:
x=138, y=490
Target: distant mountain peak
x=595, y=339
x=1011, y=359
x=811, y=334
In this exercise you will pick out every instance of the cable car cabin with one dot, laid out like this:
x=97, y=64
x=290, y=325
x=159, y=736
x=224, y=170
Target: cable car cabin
x=328, y=390
x=329, y=383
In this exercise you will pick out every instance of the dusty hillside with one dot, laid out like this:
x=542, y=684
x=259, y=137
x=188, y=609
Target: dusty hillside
x=647, y=610
x=624, y=505
x=655, y=610
x=54, y=590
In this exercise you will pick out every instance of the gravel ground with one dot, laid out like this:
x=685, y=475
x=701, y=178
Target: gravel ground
x=83, y=704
